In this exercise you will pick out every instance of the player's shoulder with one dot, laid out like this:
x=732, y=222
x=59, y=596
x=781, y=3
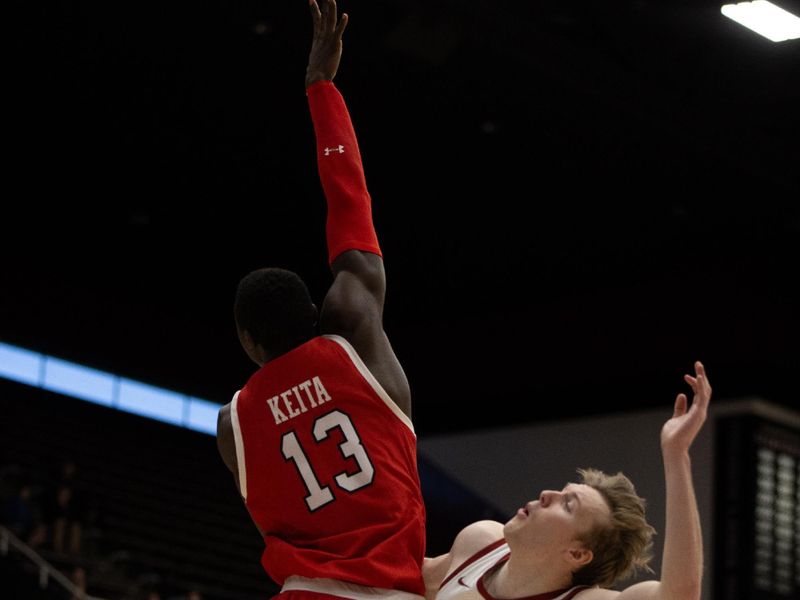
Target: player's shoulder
x=643, y=589
x=224, y=414
x=225, y=419
x=476, y=537
x=483, y=529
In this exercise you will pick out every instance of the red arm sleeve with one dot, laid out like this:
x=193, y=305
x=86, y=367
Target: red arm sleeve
x=349, y=224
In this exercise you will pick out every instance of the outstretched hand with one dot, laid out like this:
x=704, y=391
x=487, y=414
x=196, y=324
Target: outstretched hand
x=680, y=431
x=326, y=48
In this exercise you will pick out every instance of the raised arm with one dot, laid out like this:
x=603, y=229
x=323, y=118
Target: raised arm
x=682, y=562
x=353, y=307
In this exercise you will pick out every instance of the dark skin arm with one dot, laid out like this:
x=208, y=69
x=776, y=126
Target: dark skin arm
x=326, y=46
x=353, y=307
x=227, y=448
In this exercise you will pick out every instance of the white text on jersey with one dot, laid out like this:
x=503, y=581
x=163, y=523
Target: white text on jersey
x=319, y=396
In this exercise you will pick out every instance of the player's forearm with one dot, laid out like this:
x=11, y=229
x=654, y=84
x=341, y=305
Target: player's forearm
x=682, y=563
x=349, y=223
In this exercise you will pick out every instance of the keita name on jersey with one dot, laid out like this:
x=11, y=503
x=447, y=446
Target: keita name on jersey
x=287, y=405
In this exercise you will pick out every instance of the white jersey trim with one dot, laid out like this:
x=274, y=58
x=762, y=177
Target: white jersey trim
x=344, y=589
x=365, y=372
x=239, y=443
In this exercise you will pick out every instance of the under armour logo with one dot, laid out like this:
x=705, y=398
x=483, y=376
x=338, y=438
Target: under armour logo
x=339, y=149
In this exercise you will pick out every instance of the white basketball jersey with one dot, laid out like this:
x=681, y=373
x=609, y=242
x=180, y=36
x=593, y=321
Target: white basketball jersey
x=466, y=582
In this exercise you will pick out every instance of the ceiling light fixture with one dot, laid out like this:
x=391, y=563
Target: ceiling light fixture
x=764, y=18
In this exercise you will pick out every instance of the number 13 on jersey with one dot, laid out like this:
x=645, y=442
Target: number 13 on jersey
x=318, y=495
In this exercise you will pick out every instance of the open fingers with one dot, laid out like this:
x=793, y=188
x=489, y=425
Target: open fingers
x=342, y=24
x=700, y=386
x=316, y=15
x=701, y=372
x=329, y=14
x=680, y=406
x=699, y=369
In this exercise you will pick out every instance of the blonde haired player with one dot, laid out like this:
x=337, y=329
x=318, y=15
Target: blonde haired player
x=575, y=543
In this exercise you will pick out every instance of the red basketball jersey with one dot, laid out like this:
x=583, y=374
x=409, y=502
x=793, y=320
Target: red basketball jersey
x=328, y=470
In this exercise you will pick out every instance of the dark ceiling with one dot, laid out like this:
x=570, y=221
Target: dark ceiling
x=574, y=202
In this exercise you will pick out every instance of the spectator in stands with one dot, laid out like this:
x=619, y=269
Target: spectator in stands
x=23, y=516
x=78, y=578
x=64, y=509
x=66, y=522
x=68, y=476
x=18, y=512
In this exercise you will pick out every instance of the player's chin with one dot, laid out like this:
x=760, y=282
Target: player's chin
x=512, y=523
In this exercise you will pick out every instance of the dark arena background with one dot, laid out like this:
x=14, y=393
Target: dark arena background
x=575, y=202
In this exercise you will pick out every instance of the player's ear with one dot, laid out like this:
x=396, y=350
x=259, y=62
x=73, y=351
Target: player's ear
x=578, y=556
x=246, y=340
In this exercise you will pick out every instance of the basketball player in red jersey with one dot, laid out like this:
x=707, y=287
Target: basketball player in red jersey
x=575, y=543
x=319, y=439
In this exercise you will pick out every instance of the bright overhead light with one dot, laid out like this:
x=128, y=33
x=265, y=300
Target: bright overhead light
x=765, y=18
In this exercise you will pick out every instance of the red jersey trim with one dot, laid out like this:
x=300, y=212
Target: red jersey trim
x=472, y=559
x=574, y=592
x=370, y=378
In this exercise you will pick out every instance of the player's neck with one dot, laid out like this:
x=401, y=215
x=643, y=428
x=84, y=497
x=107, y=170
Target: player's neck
x=267, y=355
x=518, y=579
